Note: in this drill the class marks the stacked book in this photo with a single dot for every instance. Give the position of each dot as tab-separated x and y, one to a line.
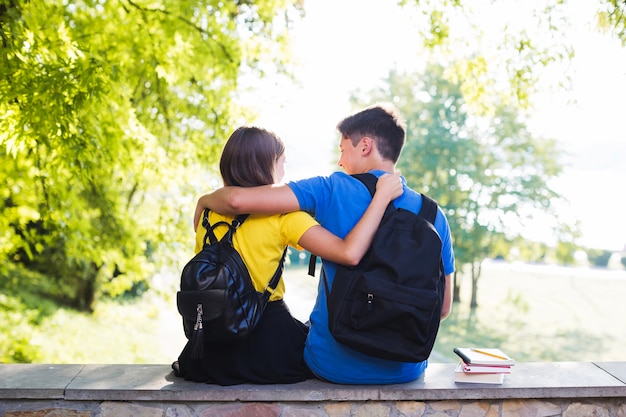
483	366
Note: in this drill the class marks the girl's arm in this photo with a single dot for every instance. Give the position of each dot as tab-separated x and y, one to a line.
264	199
350	250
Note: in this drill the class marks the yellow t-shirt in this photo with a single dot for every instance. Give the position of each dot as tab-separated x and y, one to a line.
261	240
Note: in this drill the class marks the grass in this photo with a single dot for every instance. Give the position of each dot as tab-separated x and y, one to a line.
143	331
534	313
541	313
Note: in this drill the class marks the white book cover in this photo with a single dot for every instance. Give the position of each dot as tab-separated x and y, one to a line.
486	369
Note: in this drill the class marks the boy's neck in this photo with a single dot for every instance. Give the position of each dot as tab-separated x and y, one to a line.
386	166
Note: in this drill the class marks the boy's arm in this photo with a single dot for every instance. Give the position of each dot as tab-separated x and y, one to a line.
265	199
447	298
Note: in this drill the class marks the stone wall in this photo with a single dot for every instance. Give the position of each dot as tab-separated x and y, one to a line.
486	408
468	408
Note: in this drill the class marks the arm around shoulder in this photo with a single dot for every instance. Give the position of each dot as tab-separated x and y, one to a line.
265	199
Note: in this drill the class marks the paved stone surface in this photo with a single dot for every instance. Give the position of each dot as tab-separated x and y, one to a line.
36	380
157	383
617	369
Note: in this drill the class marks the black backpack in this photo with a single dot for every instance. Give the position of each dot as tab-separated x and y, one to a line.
217	299
389	305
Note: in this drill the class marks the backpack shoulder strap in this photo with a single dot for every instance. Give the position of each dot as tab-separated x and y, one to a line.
369	180
429	209
429	206
237	221
273	283
312	264
232	227
210	238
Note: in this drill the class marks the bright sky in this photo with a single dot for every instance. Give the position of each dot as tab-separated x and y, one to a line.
343	45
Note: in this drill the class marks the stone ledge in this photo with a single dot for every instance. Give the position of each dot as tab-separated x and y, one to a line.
572	380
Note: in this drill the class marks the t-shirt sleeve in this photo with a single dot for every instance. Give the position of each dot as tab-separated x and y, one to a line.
447	251
294	225
312	192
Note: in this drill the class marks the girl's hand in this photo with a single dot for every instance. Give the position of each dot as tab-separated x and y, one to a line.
389	186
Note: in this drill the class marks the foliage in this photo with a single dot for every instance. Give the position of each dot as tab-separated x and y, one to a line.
35	329
506	59
499	60
612	18
599	257
490	175
533	252
16	325
21	311
110	110
565	253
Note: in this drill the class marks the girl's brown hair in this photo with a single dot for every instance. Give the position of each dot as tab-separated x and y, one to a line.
249	156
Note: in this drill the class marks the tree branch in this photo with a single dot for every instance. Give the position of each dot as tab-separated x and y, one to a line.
186	22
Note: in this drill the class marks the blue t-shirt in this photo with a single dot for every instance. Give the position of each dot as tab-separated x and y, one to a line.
338	202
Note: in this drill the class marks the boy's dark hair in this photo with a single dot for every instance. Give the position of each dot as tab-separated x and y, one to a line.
249	156
382	123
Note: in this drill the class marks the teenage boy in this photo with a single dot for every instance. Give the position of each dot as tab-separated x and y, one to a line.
371	141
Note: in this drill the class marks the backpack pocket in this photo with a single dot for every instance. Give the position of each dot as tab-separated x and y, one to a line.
388	320
393	308
212	301
213	304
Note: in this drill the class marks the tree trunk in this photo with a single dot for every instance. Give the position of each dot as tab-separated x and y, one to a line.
476	270
456	288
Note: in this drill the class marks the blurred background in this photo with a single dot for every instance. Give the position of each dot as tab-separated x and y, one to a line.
114	115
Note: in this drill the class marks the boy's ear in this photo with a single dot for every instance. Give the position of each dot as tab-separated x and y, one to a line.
366	146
